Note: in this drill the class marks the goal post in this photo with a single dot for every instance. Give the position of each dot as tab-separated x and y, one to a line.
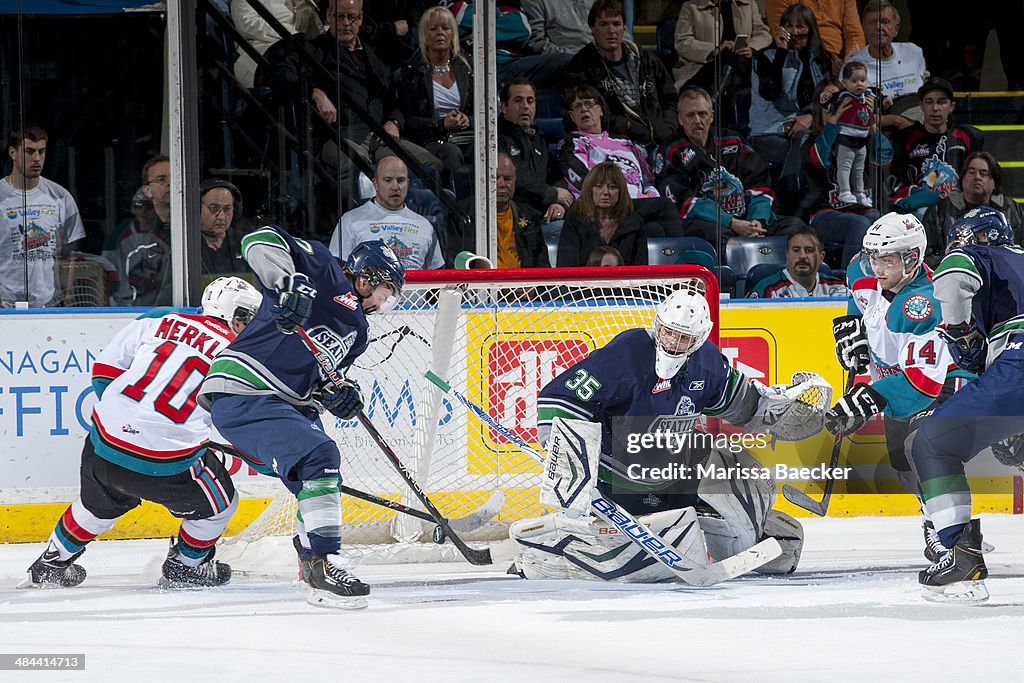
497	336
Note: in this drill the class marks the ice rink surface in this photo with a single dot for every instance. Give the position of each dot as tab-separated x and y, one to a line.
852	612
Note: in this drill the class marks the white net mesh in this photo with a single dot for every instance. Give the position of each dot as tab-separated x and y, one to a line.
496	342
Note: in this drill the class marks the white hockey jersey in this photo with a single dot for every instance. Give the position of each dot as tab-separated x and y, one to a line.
147	377
910	362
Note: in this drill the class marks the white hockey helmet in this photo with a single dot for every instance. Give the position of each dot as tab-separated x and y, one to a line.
684	312
895	233
227	298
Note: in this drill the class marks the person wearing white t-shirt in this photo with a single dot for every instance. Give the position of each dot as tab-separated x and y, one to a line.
386	217
903	69
39	225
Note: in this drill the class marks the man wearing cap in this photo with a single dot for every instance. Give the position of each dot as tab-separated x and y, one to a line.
929	156
220	204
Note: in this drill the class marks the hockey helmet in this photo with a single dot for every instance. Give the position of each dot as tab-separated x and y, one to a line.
227	298
980	225
375	261
684	313
895	233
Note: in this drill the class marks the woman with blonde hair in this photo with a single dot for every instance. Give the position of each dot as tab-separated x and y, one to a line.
603	216
435	91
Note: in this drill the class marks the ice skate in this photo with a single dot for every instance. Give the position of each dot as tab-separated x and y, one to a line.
959	574
49	571
332	585
933	548
176	574
305	559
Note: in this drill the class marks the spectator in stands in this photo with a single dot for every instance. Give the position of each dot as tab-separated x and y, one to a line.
703	33
782	86
140	250
603	216
837	21
520	240
639	92
364	79
220	205
386	217
720	185
435	91
557	25
390	26
800	278
929	156
897	70
512	53
588	145
156	184
841	224
980	185
536	172
39	225
605	256
296	16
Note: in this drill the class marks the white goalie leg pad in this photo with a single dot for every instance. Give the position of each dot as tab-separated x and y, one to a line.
557	546
790	534
742	503
570	469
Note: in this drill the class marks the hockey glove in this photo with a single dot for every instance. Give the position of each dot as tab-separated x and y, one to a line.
1010	451
850	413
851	343
294	303
966	344
345	401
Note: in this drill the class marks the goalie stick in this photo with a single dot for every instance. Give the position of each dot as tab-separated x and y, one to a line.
801	499
655	546
472	555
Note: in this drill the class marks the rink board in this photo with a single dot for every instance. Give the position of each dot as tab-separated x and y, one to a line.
46	399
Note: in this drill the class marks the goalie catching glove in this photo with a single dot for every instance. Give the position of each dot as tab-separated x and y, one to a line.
345	401
851	343
294	303
792	412
850	413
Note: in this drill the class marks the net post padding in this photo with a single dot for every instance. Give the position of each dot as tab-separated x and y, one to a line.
512	332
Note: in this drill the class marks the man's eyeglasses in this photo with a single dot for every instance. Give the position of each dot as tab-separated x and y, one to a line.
215	209
347	18
580	105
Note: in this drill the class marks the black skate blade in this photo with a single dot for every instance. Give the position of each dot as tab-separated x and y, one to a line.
322	598
962	592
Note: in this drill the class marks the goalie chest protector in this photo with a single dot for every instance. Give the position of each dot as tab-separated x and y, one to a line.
618	380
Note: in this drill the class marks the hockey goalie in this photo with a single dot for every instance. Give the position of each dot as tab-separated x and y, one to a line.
622	424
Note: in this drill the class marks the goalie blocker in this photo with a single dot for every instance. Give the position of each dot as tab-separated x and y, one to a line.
572	544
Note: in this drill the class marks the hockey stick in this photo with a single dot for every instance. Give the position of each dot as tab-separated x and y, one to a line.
472	555
462	525
655	546
801	499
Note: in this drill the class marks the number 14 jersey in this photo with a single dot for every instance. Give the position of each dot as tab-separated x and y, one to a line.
147	378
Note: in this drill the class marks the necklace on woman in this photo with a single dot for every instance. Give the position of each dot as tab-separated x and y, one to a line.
441	70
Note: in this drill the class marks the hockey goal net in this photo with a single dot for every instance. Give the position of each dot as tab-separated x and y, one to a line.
497	337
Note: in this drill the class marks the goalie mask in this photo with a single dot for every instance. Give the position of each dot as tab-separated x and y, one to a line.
230	299
893	250
682	323
981	225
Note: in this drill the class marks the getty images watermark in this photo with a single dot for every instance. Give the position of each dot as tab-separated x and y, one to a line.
676	444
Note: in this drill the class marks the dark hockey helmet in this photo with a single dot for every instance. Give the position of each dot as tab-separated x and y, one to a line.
980	225
375	261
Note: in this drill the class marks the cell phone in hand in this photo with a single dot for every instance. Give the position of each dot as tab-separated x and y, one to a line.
740	42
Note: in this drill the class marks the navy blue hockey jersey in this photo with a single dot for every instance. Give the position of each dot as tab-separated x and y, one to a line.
262	360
